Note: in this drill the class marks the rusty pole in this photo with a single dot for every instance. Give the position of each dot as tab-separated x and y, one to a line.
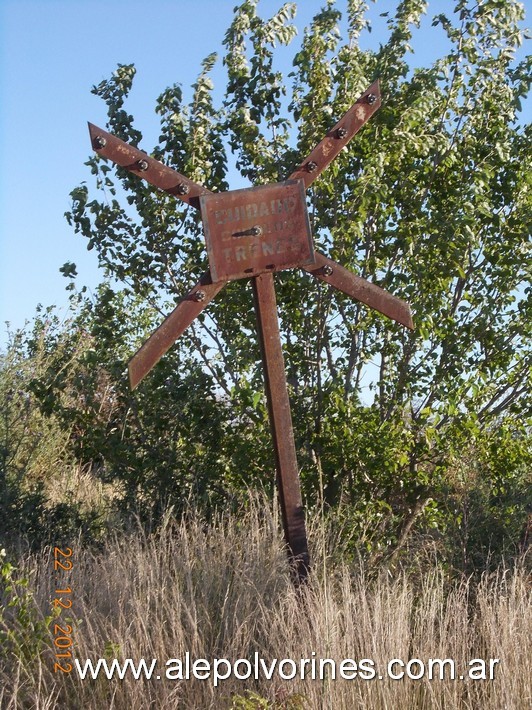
281	425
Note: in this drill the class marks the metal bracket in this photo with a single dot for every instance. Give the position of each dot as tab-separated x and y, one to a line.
339	136
162	339
151	170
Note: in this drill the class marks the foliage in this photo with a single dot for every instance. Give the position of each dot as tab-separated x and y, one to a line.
430	201
66	407
24	632
35	443
488	495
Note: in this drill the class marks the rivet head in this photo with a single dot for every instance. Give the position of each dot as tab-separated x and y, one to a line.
256	231
341	132
311	166
183	189
200	296
371	98
142	165
327	270
100	142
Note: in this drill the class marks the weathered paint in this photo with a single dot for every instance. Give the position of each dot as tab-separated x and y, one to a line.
339	135
256	230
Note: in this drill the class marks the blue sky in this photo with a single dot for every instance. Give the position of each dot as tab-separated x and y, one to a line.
51	53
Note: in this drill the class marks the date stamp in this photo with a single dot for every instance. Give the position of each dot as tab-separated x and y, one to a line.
63	565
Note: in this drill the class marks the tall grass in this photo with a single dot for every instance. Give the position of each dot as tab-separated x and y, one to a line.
223	590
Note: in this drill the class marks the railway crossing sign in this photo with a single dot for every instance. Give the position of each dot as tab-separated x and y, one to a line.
252	233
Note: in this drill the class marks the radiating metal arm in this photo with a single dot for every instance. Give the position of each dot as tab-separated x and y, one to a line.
374	296
162	339
339	136
141	164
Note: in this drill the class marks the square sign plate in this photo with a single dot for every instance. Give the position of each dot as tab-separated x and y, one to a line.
257	229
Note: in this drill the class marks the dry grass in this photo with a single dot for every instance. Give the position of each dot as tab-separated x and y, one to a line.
81	488
223	591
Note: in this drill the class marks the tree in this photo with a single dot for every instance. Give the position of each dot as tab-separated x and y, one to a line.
431	201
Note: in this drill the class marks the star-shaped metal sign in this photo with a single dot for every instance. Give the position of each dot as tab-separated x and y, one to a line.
252	233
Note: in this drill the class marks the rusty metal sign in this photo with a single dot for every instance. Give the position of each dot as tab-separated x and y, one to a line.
253	233
257	229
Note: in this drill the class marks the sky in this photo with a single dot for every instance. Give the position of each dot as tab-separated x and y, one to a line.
51	53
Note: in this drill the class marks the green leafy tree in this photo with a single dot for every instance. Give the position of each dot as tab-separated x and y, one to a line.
431	201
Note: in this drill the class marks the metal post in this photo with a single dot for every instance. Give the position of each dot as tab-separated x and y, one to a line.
281	424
